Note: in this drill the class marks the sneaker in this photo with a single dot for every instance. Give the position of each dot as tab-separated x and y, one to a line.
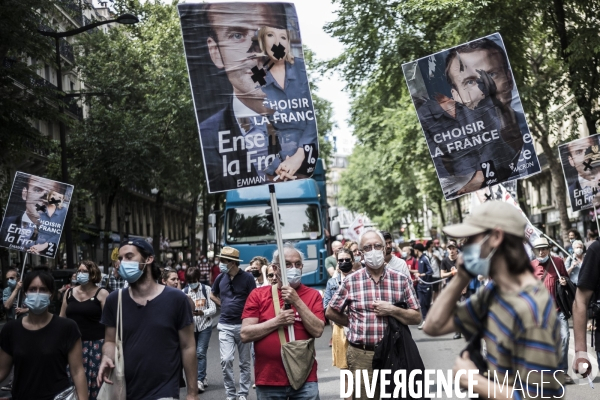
421	325
201	387
569	380
254	386
7	388
457	336
205	382
241	397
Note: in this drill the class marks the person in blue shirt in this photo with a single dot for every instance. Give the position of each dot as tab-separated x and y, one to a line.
287	93
425	276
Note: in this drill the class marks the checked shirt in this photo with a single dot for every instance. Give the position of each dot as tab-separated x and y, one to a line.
357	294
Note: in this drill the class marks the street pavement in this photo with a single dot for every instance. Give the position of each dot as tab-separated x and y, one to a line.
437	353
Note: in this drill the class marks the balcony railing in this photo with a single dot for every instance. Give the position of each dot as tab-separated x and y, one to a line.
73	9
66	50
74	109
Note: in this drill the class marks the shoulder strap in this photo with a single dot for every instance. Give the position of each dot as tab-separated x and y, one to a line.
69	293
98	291
277	306
204	290
186	289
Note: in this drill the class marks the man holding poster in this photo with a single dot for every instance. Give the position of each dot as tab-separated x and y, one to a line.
35	215
472	120
251	93
580	160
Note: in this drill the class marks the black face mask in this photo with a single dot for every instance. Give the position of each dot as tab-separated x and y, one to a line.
255	273
345	266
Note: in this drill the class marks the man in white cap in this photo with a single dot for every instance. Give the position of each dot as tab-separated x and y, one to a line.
230	291
545	266
514	313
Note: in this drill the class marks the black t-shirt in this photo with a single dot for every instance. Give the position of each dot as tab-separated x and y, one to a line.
589	275
447	265
40	358
233	294
151	341
87	315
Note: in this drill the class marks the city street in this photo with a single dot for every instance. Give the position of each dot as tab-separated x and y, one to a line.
437	353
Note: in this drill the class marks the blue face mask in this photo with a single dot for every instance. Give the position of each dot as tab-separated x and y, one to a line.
83	277
194	286
223	268
130	271
37	302
474	264
294	277
543	260
12	283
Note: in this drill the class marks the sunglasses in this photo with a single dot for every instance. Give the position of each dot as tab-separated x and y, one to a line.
231	287
343	260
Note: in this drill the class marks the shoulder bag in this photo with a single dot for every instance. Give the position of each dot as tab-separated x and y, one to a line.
298	356
116	391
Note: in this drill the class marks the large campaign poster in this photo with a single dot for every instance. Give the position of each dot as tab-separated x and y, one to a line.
251	94
35	215
580	161
470	111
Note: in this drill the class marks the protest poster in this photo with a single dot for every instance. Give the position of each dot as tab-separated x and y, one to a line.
471	114
35	215
251	95
580	161
507	193
355	229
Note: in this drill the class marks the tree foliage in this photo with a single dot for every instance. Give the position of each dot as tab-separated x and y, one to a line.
554	52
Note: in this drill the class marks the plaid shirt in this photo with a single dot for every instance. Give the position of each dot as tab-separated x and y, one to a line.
356	295
116	284
204	269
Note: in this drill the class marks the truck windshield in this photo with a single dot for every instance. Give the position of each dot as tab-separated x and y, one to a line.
255	224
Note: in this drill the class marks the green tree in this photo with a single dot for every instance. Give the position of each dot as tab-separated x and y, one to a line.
24	95
323	107
142	133
553	49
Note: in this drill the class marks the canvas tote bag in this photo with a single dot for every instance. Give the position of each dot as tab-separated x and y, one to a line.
116	391
298	356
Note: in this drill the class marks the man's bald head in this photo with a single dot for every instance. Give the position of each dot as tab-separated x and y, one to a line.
336	245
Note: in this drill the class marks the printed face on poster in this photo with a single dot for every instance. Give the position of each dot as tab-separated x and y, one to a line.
251	94
472	117
580	161
35	215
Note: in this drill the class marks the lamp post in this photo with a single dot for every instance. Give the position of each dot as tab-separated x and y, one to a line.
127	19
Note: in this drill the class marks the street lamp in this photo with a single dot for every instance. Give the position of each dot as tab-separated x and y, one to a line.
122	19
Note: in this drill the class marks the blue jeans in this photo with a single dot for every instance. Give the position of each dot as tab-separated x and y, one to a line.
202	339
564	341
229	340
424	295
308	391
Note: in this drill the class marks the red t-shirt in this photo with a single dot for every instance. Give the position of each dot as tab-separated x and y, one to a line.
181	275
268	367
215	270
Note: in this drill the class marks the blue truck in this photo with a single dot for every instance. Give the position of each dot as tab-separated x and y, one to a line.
305	217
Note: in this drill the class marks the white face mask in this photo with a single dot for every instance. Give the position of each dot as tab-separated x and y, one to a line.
578	252
374	258
294	277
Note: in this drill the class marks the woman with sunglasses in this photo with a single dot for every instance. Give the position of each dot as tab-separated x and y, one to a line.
41	345
272	276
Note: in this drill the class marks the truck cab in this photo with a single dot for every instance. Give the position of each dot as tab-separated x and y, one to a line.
248	226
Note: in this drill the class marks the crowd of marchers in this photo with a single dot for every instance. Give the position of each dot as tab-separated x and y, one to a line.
485	283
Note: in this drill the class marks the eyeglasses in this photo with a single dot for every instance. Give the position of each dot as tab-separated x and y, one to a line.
342	260
231	287
270	275
367	248
297	264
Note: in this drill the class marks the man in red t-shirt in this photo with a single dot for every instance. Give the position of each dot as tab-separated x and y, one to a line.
260	325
